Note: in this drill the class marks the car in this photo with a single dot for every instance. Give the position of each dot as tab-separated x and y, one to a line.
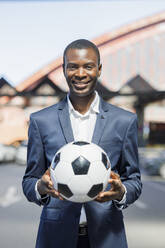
7	153
21	153
152	160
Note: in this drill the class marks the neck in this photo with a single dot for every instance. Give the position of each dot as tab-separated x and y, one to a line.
82	104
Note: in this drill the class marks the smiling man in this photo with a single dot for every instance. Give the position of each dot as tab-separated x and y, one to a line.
81	70
82	115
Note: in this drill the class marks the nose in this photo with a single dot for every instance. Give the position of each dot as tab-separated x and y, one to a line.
80	73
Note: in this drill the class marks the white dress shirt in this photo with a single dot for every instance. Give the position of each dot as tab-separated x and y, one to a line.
83	128
83	125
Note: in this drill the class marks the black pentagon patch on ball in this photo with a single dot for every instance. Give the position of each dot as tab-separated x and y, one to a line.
56	160
81	143
80	166
95	190
105	161
64	189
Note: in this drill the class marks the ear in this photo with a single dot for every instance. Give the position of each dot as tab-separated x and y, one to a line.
99	70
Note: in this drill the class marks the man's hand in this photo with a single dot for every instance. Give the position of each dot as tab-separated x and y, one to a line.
115	193
45	186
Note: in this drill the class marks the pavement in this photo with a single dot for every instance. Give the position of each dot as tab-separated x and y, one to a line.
19	219
145	219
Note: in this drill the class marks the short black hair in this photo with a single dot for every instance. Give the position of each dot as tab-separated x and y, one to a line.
81	44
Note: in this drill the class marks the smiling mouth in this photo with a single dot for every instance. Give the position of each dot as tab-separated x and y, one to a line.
80	83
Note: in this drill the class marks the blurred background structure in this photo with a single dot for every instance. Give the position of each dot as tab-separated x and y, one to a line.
133	77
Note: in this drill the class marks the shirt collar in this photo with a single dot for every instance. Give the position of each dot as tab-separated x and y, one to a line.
94	107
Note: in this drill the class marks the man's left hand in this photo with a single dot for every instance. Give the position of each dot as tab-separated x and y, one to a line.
115	193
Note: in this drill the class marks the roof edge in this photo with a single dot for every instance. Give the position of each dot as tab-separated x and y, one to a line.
99	41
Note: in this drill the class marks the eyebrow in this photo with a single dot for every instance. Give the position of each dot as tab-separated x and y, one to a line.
88	63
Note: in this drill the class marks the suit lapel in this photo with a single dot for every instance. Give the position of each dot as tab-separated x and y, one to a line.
100	122
66	124
65	121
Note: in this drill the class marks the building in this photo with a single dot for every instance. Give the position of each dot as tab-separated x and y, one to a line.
133	76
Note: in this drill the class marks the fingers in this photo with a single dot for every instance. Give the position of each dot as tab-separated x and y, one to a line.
114	175
50	184
55	193
45	186
47	172
114	182
52	191
106	196
47	179
115	192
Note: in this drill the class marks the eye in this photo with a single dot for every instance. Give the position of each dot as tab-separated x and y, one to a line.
89	66
71	66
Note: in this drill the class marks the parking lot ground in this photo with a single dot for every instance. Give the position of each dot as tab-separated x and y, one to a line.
144	220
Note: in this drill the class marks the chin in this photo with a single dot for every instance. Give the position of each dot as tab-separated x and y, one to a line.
83	94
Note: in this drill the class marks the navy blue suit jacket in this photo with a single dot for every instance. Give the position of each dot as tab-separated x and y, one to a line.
116	132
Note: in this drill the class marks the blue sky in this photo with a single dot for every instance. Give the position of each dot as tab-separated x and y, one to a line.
34	33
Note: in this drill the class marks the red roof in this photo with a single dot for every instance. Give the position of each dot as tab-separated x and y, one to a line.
136	48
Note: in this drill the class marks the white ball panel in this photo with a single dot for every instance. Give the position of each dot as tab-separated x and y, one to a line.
53	178
80	184
106	178
97	172
92	152
108	173
63	172
80	198
69	153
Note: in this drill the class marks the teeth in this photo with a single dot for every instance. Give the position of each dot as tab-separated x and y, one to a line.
80	82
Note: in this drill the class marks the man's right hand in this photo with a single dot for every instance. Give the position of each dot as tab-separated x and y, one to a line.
45	186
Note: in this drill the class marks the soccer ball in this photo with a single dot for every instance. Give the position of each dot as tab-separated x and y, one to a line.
80	171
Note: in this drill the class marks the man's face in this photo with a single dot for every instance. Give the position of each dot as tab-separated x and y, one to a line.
81	71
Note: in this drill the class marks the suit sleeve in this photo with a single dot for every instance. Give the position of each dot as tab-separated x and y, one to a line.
129	167
36	165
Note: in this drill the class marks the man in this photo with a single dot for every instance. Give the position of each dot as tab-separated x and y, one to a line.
83	115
